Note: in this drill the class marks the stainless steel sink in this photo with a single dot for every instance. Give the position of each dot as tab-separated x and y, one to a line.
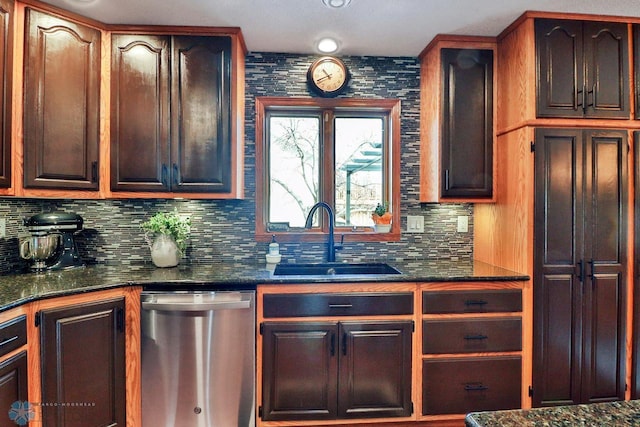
335	269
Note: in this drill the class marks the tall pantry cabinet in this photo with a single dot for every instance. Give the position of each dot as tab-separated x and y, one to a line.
562	212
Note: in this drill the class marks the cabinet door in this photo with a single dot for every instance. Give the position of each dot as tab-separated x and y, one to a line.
6	66
636	68
375	369
605	239
61	103
299	371
560	70
606	58
582	69
13	387
200	115
83	363
140	113
579	266
467	128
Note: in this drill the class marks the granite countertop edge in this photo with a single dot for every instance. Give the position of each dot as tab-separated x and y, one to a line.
20	288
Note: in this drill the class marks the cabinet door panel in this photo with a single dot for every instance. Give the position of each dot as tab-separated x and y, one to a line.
82	352
13	382
462	385
61	103
607	69
140	113
467	129
558	251
375	369
605	252
6	66
300	365
560	73
201	96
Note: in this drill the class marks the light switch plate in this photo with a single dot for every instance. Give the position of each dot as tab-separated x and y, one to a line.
463	224
415	224
3	228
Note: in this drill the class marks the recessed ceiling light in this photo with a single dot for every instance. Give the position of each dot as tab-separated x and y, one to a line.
327	45
336	4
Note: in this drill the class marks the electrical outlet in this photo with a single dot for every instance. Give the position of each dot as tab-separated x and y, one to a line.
3	228
463	224
415	224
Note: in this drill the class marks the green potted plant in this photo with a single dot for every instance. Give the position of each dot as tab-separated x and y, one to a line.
167	234
381	218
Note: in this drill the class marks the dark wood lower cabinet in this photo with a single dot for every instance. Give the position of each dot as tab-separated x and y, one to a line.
462	385
83	364
13	383
336	370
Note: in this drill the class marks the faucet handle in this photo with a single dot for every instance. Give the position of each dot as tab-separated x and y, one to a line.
339	246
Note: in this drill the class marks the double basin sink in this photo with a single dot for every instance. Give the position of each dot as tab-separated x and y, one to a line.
335	269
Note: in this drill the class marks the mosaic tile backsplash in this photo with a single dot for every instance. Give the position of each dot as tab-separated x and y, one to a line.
223	230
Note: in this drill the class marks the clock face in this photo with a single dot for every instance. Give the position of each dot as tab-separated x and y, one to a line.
328	76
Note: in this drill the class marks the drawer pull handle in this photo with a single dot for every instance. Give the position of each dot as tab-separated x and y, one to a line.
475	337
476	302
8	340
475	387
340	305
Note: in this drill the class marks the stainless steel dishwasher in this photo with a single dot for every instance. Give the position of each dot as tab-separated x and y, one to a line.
198	359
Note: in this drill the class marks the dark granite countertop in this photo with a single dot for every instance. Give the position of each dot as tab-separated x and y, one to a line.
17	289
611	414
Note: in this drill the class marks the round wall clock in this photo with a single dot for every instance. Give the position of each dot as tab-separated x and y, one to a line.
328	76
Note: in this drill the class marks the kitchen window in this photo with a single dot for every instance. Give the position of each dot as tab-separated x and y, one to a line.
341	151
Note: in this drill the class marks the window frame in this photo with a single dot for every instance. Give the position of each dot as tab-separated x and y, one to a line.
391	107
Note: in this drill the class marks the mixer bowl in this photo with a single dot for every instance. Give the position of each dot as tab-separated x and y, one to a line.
39	248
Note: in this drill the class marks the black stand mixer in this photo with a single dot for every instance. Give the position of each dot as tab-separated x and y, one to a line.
51	245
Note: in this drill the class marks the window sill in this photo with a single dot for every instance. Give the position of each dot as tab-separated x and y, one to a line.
320	236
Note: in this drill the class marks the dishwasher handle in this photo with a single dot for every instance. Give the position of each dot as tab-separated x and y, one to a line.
196	306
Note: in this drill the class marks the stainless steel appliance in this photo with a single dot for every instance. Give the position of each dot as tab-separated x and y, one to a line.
198	359
51	245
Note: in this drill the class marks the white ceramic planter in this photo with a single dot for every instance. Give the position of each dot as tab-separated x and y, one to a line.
164	251
382	228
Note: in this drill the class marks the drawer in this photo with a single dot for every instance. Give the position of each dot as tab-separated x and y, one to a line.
459	386
484	301
338	304
471	335
13	334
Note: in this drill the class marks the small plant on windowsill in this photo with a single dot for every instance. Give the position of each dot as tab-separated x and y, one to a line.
381	218
167	234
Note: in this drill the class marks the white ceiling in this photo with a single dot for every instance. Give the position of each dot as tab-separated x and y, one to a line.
365	27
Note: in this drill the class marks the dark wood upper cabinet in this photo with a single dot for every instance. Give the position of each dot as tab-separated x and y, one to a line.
82	350
171	113
140	77
200	117
457	113
6	67
61	103
636	67
582	69
467	123
580	266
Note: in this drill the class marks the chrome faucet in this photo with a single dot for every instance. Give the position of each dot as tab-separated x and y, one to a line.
331	246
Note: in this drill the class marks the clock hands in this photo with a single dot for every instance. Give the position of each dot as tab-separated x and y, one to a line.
327	76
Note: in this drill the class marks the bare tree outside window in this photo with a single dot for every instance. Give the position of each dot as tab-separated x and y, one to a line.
294	169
